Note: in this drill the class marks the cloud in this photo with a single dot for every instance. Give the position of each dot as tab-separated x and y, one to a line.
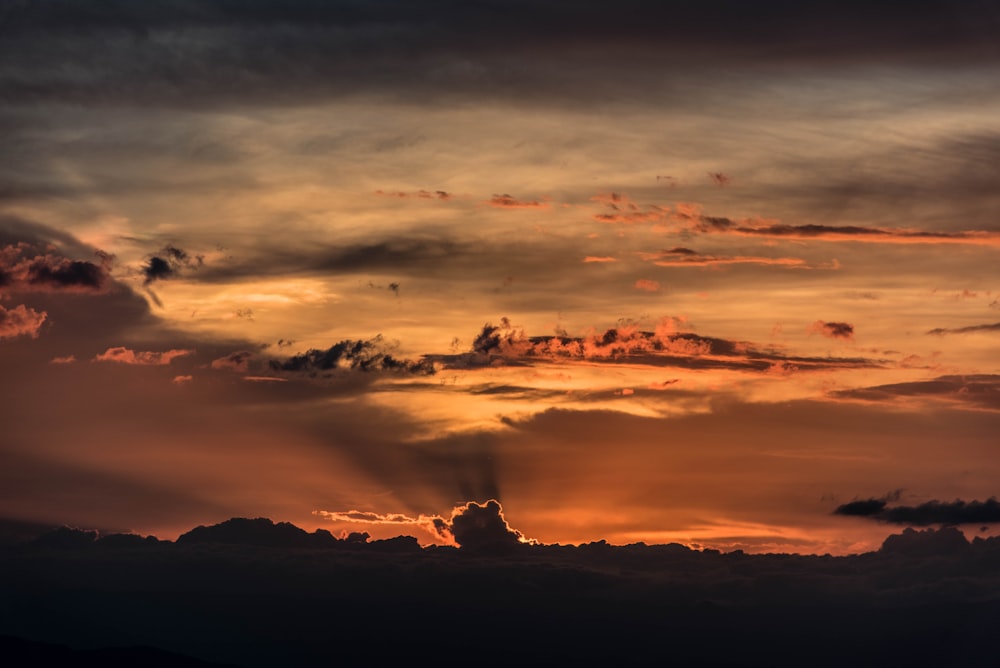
508	202
666	345
483	528
833	330
361	355
419	194
686	257
182	380
941	331
20	321
472	526
67	359
124	355
26	267
238	361
647	285
851	233
931	512
623	211
599	259
168	263
981	391
719	179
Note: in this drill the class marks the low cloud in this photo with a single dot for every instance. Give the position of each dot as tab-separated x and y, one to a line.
20	321
931	512
620	209
370	355
124	355
833	330
979	391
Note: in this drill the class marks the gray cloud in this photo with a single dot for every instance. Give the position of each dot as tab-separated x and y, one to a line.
931	512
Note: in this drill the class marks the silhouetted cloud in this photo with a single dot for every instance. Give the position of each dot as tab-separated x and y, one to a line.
483	528
362	355
931	512
26	267
20	321
941	331
168	263
125	355
833	330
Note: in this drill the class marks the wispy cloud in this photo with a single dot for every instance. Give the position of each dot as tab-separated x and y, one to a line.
124	355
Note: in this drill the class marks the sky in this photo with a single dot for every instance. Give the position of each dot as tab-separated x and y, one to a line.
723	275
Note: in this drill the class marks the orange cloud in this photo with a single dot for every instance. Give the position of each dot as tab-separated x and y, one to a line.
647	285
68	359
685	257
600	258
124	355
20	321
626	212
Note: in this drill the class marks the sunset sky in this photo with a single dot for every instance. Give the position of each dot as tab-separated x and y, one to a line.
681	272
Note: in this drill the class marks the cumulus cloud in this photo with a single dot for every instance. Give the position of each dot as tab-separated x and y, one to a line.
20	321
361	355
833	330
666	345
477	527
28	267
124	355
931	512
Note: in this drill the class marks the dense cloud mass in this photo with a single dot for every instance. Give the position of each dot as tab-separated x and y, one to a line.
26	267
930	512
368	355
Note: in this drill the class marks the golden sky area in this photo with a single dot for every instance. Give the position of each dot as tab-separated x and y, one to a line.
681	277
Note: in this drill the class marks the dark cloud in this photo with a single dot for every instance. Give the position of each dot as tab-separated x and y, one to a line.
29	267
940	331
931	512
362	355
974	390
144	52
482	528
833	330
168	263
